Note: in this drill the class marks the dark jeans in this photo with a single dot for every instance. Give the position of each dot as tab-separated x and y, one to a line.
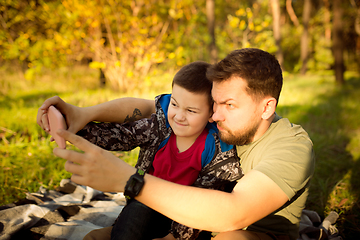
139	222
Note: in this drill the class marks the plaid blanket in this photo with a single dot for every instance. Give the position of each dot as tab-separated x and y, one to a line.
72	211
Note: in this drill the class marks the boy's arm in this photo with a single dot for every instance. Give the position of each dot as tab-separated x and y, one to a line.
120	137
145	132
118	110
122	110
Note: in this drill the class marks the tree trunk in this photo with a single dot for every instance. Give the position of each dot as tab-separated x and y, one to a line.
210	14
102	78
327	20
275	6
304	45
338	42
291	13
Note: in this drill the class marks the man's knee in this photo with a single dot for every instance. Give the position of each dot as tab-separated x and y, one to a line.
99	234
242	235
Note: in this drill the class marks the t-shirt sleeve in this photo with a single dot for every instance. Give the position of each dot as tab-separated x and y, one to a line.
289	163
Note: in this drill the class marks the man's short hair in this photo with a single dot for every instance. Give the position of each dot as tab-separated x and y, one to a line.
258	68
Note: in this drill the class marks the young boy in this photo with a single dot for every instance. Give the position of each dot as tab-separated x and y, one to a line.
177	144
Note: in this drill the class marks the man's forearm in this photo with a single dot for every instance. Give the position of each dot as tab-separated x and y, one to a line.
194	207
122	110
214	210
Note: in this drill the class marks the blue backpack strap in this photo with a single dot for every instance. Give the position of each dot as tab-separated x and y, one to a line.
209	151
164	101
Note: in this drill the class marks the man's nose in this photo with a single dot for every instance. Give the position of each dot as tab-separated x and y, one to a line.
217	115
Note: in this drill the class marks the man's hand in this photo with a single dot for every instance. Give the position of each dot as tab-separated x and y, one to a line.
94	167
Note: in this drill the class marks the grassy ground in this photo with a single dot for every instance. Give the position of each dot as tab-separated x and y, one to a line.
26	159
329	113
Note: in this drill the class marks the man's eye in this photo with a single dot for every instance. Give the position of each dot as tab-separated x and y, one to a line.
230	106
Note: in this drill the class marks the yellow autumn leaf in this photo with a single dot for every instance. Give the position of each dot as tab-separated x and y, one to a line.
129	74
94	24
172	55
240	12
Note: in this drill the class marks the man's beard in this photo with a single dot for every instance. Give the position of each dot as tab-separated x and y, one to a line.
240	137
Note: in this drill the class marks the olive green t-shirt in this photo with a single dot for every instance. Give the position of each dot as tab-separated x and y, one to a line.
285	154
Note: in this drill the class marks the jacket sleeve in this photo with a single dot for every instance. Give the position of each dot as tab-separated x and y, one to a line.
119	137
146	133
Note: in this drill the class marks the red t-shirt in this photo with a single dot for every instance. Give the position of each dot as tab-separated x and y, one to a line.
182	168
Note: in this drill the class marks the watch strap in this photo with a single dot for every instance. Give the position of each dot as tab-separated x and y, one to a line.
134	184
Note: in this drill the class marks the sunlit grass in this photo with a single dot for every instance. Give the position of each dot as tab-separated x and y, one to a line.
328	112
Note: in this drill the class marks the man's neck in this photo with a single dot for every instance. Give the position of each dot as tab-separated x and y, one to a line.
263	127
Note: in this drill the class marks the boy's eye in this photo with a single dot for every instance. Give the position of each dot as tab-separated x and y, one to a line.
230	105
173	104
192	111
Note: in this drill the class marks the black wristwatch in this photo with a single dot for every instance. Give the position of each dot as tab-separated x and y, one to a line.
134	184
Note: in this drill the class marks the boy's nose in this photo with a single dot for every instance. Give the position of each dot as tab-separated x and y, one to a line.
179	116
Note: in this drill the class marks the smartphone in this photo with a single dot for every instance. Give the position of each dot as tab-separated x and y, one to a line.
56	121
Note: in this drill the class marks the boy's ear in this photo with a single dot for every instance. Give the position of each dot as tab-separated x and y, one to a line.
269	108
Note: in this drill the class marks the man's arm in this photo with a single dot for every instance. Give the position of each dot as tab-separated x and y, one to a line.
254	197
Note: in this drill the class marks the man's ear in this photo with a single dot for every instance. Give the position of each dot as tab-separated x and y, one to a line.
269	108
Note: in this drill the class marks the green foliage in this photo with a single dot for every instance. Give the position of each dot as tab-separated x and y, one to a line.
33	33
129	39
248	26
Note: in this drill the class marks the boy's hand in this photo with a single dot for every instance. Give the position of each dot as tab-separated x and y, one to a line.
75	117
94	167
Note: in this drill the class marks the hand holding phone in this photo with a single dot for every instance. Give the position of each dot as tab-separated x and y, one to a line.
56	121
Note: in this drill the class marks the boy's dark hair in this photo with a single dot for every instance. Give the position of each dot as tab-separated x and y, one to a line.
192	77
258	68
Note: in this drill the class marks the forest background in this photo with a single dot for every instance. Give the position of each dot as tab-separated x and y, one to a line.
89	52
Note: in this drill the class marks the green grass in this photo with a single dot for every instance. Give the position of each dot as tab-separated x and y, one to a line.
329	113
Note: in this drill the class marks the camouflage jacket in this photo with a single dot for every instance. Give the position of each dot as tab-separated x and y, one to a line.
150	134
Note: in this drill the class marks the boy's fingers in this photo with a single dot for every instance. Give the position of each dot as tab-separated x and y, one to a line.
56	101
45	122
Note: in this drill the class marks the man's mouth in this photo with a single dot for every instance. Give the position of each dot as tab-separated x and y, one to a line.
219	127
